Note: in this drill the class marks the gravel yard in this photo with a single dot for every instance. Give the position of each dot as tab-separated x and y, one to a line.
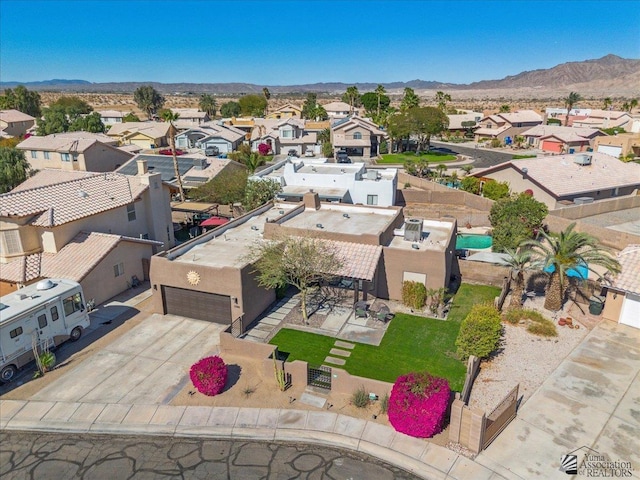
524	358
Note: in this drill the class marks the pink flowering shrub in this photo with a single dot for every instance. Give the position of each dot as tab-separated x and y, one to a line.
264	149
209	375
418	404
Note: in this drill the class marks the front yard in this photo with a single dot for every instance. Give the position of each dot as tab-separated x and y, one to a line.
432	157
411	343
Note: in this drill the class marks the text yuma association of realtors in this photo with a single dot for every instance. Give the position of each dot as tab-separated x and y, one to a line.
599	466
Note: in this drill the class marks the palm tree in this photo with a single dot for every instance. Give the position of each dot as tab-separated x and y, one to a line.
352	95
633	104
606	103
208	104
466	169
568	250
267	96
379	92
169	116
252	161
569	102
519	261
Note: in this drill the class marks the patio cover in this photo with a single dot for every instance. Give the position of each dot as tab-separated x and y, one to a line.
214	222
358	261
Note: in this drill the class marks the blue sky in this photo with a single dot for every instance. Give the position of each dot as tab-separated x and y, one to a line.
292	42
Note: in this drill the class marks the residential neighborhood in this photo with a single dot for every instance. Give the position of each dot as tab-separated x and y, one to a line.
321	275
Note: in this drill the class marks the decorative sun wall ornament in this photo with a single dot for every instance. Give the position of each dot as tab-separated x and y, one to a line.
193	277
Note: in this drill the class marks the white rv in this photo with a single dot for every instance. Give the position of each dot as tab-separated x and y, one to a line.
49	312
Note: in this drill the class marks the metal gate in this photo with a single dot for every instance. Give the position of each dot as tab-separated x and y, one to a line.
500	417
319	376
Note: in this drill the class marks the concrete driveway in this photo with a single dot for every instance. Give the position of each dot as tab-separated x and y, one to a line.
147	365
591	401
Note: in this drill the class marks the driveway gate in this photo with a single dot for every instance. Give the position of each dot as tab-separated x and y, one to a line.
319	376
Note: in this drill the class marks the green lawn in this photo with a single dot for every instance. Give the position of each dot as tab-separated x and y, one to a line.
398	158
411	343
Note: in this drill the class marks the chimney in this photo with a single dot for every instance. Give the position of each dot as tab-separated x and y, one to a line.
311	200
142	167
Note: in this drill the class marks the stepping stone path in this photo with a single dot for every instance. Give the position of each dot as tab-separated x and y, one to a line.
340	352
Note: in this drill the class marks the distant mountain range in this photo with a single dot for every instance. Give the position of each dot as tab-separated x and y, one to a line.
609	76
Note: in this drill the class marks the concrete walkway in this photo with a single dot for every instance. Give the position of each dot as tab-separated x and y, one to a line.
265	327
420	457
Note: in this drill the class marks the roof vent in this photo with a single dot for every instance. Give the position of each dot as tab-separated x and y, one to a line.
372	175
346	215
582	160
82	194
415	246
525	170
281	212
45	284
319	225
254	227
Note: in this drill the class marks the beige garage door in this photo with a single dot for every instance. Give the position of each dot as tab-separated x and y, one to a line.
194	304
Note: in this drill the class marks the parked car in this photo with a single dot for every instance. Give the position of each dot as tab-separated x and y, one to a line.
342	157
212	151
292	152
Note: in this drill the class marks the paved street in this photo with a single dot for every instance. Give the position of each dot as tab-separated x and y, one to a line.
483	157
44	456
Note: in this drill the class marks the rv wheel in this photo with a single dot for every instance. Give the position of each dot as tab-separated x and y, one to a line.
76	333
7	373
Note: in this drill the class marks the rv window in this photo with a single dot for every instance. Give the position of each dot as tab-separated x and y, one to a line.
72	304
42	320
15	332
54	314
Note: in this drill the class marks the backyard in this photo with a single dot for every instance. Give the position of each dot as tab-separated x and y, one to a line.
432	157
411	343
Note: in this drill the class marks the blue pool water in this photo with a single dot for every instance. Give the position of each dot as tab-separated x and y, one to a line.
474	242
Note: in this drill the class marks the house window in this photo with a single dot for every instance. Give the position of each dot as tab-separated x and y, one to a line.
357	136
287	133
54	313
15	332
118	269
72	304
42	321
65	157
131	212
144	236
46	155
10	242
372	199
34	154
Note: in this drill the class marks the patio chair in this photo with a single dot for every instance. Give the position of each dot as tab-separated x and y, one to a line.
361	313
382	316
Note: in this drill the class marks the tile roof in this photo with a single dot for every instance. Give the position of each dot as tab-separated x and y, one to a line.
561	176
13	115
74	261
59	203
65	142
358	260
51	176
338	107
543	130
151	129
112	114
629	278
521	116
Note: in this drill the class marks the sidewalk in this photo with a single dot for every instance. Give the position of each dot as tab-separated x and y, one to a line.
424	459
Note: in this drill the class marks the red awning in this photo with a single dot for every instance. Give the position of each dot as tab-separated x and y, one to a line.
214	222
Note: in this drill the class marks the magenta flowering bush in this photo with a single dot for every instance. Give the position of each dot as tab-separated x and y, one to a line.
264	149
418	404
209	375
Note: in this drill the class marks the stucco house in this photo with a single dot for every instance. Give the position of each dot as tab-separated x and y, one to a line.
596	118
192	115
560	139
98	229
288	110
92	152
111	117
358	136
622	144
503	125
225	138
146	135
333	182
340	109
622	302
456	121
284	135
14	123
567	179
211	277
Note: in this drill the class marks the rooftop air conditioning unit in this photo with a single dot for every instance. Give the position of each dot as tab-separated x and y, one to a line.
199	163
372	174
582	200
413	230
582	159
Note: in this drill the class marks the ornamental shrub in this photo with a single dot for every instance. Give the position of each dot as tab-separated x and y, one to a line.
209	375
414	294
479	332
264	149
418	404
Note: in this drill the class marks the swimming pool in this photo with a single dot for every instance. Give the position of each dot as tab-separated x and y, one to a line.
475	242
